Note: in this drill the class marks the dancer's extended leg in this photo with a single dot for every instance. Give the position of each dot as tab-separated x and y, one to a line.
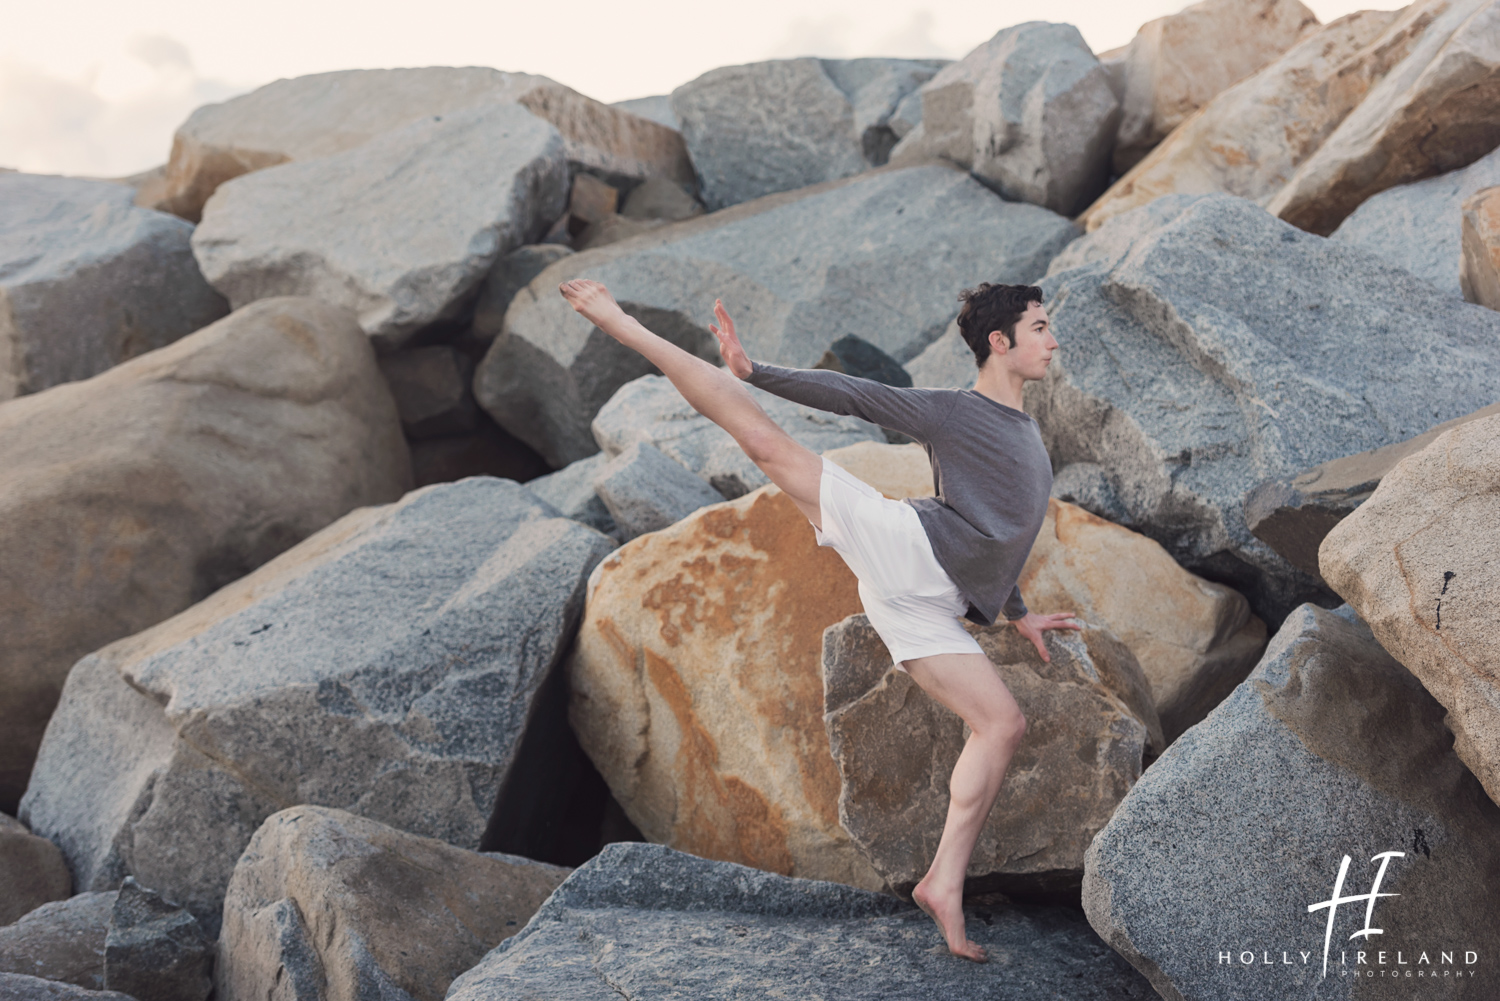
713	392
969	685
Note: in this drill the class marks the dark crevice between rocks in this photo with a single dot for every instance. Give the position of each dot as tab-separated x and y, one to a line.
554	805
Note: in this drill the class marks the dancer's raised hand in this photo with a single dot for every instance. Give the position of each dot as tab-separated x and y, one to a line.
593	300
734	355
1033	625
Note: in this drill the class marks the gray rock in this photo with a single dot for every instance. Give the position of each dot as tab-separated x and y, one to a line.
650	410
645	490
508	275
571	490
19	987
400	229
1087	485
155	950
853	355
88	280
1416	226
387	666
328	906
431	388
896	747
1207	346
759	128
1330	752
907	116
657	108
63	941
32	871
1031	112
129	496
644	921
660	198
946	363
884	253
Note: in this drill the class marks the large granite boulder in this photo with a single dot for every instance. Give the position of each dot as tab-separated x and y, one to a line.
1420	561
1251	138
1178	63
1194	639
20	987
696	687
155	950
1214	875
1294	516
643	921
1435	111
62	941
32	871
756	129
896	747
131	495
88	280
884	253
324	113
1030	112
1480	277
1207	346
400	229
388	666
327	905
1418	226
650	411
645	490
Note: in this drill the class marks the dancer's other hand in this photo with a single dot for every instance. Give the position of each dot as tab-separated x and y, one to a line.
733	353
1033	625
593	300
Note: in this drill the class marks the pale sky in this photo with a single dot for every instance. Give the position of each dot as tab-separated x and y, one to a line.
96	87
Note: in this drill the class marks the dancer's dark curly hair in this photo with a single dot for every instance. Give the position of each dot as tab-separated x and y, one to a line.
988	307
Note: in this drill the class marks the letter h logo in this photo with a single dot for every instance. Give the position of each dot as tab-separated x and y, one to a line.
1384	858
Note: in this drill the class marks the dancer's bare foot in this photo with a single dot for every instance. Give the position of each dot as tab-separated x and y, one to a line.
948	912
593	300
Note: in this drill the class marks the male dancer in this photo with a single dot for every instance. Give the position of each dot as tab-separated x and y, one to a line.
923	562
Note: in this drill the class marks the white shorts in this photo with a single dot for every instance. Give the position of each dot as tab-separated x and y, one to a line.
909	599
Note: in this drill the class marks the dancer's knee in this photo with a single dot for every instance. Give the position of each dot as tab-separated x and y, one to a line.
1005	728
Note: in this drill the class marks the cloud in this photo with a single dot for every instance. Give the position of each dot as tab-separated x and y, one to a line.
115	120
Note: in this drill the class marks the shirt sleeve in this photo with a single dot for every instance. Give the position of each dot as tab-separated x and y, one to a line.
916	412
1014	608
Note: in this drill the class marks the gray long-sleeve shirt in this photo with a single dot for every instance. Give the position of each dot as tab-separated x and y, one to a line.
990	472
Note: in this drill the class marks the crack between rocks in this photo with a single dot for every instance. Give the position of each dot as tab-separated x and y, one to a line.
594	956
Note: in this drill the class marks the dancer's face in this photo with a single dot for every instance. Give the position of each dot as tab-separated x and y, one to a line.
1034	344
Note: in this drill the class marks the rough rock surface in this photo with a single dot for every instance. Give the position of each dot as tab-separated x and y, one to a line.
895	748
401	229
328	905
1194	639
884	253
63	940
771	126
946	363
696	688
1420	562
1030	112
646	490
1480	277
1178	63
32	871
325	113
19	987
1330	751
388	665
510	273
431	389
1418	226
1177	379
120	507
1294	516
571	490
643	921
88	280
651	411
1432	113
1249	140
1087	485
155	950
656	108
